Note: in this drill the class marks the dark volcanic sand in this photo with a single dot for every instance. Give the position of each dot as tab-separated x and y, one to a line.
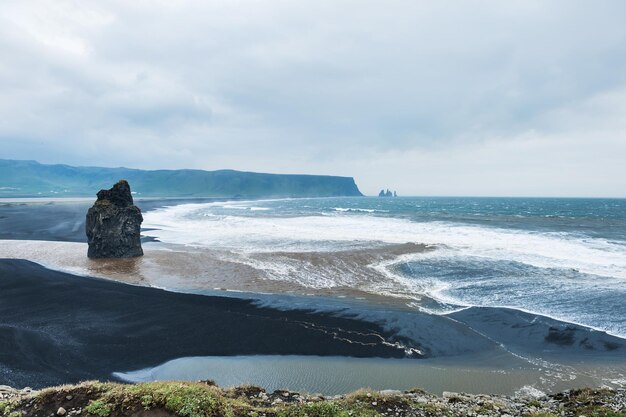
59	328
62	221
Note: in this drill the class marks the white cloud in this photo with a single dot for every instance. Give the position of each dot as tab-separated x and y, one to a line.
427	97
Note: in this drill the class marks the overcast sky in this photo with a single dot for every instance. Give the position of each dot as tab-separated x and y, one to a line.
426	97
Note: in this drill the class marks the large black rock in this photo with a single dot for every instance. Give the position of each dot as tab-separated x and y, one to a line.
113	224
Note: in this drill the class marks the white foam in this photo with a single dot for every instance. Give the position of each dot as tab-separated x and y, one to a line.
528	391
257	240
189	225
244	207
358	210
619	382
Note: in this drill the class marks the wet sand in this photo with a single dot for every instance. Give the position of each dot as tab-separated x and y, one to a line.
51	232
58	328
63	328
201	270
340	375
60	219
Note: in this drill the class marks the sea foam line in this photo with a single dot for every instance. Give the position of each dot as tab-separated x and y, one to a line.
246	236
188	225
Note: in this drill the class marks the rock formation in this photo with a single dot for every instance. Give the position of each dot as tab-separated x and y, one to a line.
113	224
387	193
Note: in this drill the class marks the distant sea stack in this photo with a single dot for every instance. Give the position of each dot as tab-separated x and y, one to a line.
387	193
113	224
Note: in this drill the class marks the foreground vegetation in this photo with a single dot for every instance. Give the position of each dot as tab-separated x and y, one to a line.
204	399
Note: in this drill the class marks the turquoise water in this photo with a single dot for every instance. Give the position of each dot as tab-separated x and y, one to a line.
563	258
604	218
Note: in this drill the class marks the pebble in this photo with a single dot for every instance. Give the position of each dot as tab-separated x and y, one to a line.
61	411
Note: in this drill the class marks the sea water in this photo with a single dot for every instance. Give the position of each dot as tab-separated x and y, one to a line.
340	375
563	258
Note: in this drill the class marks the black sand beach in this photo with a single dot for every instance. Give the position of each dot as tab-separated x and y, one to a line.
43	221
59	328
47	219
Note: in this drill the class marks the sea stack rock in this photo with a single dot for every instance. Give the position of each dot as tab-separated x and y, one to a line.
113	224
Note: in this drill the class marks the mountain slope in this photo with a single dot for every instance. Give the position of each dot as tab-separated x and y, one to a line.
32	179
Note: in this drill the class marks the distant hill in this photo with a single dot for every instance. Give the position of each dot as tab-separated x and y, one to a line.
32	179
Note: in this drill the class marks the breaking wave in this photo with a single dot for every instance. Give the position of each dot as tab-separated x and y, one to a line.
563	274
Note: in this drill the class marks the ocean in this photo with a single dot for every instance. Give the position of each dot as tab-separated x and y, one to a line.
561	258
477	294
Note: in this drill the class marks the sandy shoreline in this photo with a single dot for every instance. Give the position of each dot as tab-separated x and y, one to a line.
202	270
340	375
60	328
97	327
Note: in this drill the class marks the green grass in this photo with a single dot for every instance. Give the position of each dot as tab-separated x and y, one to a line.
189	399
6	407
598	411
321	409
147	401
329	409
184	399
98	408
583	402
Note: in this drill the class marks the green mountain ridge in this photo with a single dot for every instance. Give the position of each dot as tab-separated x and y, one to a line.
22	178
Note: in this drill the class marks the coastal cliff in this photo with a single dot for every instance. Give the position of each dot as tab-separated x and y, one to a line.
32	179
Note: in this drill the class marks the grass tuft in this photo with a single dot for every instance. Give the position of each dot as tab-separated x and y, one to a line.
98	408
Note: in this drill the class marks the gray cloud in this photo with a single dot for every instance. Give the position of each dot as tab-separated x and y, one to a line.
515	98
